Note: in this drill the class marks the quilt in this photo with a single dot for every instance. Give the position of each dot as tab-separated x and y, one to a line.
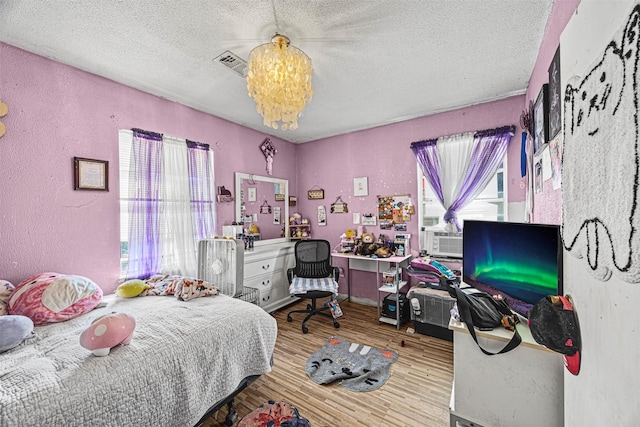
184	357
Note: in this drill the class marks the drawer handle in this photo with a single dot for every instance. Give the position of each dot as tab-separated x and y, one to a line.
266	282
264	267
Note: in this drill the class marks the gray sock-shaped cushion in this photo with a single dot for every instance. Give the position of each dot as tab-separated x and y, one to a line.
14	329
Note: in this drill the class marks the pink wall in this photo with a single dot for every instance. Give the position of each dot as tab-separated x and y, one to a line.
547	206
57	112
383	155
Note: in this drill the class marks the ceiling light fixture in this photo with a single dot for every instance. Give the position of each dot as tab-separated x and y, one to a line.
279	81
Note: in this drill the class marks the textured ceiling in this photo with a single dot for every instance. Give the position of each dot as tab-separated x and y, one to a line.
375	61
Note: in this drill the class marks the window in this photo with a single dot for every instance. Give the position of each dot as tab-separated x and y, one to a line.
181	211
490	205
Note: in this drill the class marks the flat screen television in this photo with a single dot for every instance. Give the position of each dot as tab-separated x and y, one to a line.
520	261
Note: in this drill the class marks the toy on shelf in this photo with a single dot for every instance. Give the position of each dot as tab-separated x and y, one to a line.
299	228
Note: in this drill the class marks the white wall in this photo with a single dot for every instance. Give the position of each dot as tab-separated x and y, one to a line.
605	391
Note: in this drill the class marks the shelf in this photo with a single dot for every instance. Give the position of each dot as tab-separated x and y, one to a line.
299	225
393	289
388	320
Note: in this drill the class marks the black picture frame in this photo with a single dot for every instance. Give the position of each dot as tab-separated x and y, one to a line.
541	119
555	96
90	174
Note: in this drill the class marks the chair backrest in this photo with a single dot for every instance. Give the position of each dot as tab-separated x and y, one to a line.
313	258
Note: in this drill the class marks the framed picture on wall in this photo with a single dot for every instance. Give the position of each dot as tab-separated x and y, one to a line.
555	101
541	119
90	174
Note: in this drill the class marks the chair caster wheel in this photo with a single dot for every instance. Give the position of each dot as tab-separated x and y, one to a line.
289	319
336	325
304	329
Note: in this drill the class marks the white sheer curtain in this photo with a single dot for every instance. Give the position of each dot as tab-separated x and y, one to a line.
177	243
454	153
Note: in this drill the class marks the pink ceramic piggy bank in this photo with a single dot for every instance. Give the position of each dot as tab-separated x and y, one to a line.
107	332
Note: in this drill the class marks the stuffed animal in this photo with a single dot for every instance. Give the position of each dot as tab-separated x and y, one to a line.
15	329
6	288
368	238
131	288
107	332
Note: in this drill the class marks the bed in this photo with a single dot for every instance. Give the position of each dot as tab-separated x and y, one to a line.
186	359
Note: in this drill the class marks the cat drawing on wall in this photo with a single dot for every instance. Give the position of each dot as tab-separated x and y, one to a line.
600	160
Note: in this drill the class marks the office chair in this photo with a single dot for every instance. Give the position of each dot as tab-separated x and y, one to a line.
313	277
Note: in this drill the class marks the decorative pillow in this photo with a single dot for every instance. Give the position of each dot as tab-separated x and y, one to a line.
53	297
14	330
6	288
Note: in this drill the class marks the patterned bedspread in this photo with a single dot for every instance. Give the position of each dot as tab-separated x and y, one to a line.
184	357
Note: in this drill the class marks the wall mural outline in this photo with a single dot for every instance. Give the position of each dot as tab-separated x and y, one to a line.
600	160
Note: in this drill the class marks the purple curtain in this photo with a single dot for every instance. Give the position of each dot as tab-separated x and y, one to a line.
200	187
490	148
427	156
489	151
144	180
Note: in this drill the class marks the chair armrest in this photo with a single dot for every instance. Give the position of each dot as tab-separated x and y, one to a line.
290	274
336	273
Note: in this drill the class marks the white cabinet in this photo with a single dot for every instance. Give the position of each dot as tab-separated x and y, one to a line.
265	268
524	387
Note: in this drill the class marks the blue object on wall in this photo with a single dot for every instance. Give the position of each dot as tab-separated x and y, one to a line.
523	155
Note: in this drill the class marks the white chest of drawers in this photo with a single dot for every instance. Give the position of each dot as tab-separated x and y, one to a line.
265	269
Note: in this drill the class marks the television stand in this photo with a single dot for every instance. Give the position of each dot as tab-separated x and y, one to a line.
524	387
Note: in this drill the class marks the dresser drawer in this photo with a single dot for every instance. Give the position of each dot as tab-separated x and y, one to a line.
264	281
259	267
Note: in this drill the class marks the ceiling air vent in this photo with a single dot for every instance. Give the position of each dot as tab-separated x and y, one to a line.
233	62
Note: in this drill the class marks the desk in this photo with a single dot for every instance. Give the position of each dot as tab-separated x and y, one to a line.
358	262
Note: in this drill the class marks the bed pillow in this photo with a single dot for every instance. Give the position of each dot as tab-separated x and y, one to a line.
53	297
6	288
14	330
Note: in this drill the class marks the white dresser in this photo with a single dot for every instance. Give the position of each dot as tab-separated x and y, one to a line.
265	269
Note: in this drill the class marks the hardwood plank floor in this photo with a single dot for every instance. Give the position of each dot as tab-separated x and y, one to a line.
416	394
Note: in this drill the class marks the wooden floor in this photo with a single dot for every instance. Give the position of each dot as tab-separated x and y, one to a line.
416	394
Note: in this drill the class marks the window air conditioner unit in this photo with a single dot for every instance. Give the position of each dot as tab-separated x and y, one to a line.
444	244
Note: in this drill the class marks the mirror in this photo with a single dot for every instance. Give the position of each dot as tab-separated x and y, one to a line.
263	201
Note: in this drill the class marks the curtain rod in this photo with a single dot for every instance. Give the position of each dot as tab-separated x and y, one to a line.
486	132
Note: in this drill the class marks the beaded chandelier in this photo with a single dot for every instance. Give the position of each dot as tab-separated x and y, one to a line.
279	81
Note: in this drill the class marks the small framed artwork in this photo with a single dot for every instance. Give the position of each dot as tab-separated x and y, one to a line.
537	171
368	219
265	208
322	216
252	194
279	197
276	215
541	119
90	174
360	186
293	200
555	102
315	194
